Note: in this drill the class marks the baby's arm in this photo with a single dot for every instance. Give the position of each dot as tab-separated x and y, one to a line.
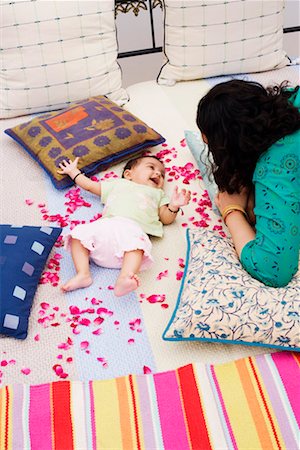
70	168
167	213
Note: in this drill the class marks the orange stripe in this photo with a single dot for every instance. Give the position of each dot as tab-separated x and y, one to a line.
127	438
254	406
1	412
297	358
265	403
61	413
136	423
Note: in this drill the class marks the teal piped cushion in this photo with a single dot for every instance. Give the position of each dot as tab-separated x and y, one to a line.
220	302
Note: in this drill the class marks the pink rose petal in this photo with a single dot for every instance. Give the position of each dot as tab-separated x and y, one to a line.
156	298
84	345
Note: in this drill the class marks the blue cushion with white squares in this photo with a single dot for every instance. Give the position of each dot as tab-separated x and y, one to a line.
23	254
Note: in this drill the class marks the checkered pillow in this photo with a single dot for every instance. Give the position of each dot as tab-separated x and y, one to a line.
211	38
54	53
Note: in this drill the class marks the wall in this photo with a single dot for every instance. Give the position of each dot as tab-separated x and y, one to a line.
146	67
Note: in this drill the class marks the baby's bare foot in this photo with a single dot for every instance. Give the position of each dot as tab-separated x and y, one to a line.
77	282
126	284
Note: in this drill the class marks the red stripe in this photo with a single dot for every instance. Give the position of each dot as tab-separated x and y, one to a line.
135	413
61	413
199	437
6	418
264	402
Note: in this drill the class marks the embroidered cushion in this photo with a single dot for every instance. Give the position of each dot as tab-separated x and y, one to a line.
97	130
23	255
54	53
211	38
220	302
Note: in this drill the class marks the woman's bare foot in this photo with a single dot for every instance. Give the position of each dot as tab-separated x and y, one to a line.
126	284
77	282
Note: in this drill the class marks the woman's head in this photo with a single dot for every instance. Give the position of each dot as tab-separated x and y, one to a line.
240	120
147	170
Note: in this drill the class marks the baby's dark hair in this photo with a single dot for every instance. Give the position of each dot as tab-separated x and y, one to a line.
241	120
134	161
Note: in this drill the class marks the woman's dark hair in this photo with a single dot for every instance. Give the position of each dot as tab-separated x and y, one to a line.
241	120
134	161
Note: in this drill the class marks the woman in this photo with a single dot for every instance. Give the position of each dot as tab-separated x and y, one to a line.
253	134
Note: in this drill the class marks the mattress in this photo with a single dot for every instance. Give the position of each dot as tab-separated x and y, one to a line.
170	111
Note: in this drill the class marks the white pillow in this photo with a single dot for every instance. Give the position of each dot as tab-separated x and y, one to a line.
210	38
57	52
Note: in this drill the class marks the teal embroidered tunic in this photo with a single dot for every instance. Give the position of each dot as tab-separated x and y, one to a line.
273	256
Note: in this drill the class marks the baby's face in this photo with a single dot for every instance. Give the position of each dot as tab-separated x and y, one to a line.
148	171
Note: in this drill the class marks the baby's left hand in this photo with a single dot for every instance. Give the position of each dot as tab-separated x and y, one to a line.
180	198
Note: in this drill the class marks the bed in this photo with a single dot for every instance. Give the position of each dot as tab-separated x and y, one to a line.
64	343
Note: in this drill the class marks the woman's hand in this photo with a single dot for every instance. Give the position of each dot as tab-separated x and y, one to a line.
179	198
69	167
223	199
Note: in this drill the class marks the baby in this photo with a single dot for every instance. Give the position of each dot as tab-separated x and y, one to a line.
135	207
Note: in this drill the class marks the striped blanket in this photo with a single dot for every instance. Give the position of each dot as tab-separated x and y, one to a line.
250	403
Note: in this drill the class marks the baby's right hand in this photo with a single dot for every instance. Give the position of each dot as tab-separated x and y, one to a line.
68	167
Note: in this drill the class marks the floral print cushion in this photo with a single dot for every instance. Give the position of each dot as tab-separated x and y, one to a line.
220	301
96	130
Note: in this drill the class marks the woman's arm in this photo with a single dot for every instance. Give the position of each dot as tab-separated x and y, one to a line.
70	168
240	229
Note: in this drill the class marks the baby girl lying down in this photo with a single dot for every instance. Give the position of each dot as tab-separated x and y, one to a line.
135	207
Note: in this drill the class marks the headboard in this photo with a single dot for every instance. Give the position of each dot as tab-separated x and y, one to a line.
137	7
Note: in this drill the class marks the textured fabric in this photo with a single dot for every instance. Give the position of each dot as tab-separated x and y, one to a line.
273	256
23	255
188	408
108	238
135	201
205	39
96	130
219	301
54	53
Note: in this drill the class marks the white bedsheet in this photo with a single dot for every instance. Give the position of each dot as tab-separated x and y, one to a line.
169	110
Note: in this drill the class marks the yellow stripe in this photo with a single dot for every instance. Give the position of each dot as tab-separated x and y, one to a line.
107	415
271	418
6	418
236	404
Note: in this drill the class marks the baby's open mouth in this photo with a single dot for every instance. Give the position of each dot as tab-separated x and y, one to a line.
154	180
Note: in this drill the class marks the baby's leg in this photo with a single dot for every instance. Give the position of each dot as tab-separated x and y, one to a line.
81	259
128	280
